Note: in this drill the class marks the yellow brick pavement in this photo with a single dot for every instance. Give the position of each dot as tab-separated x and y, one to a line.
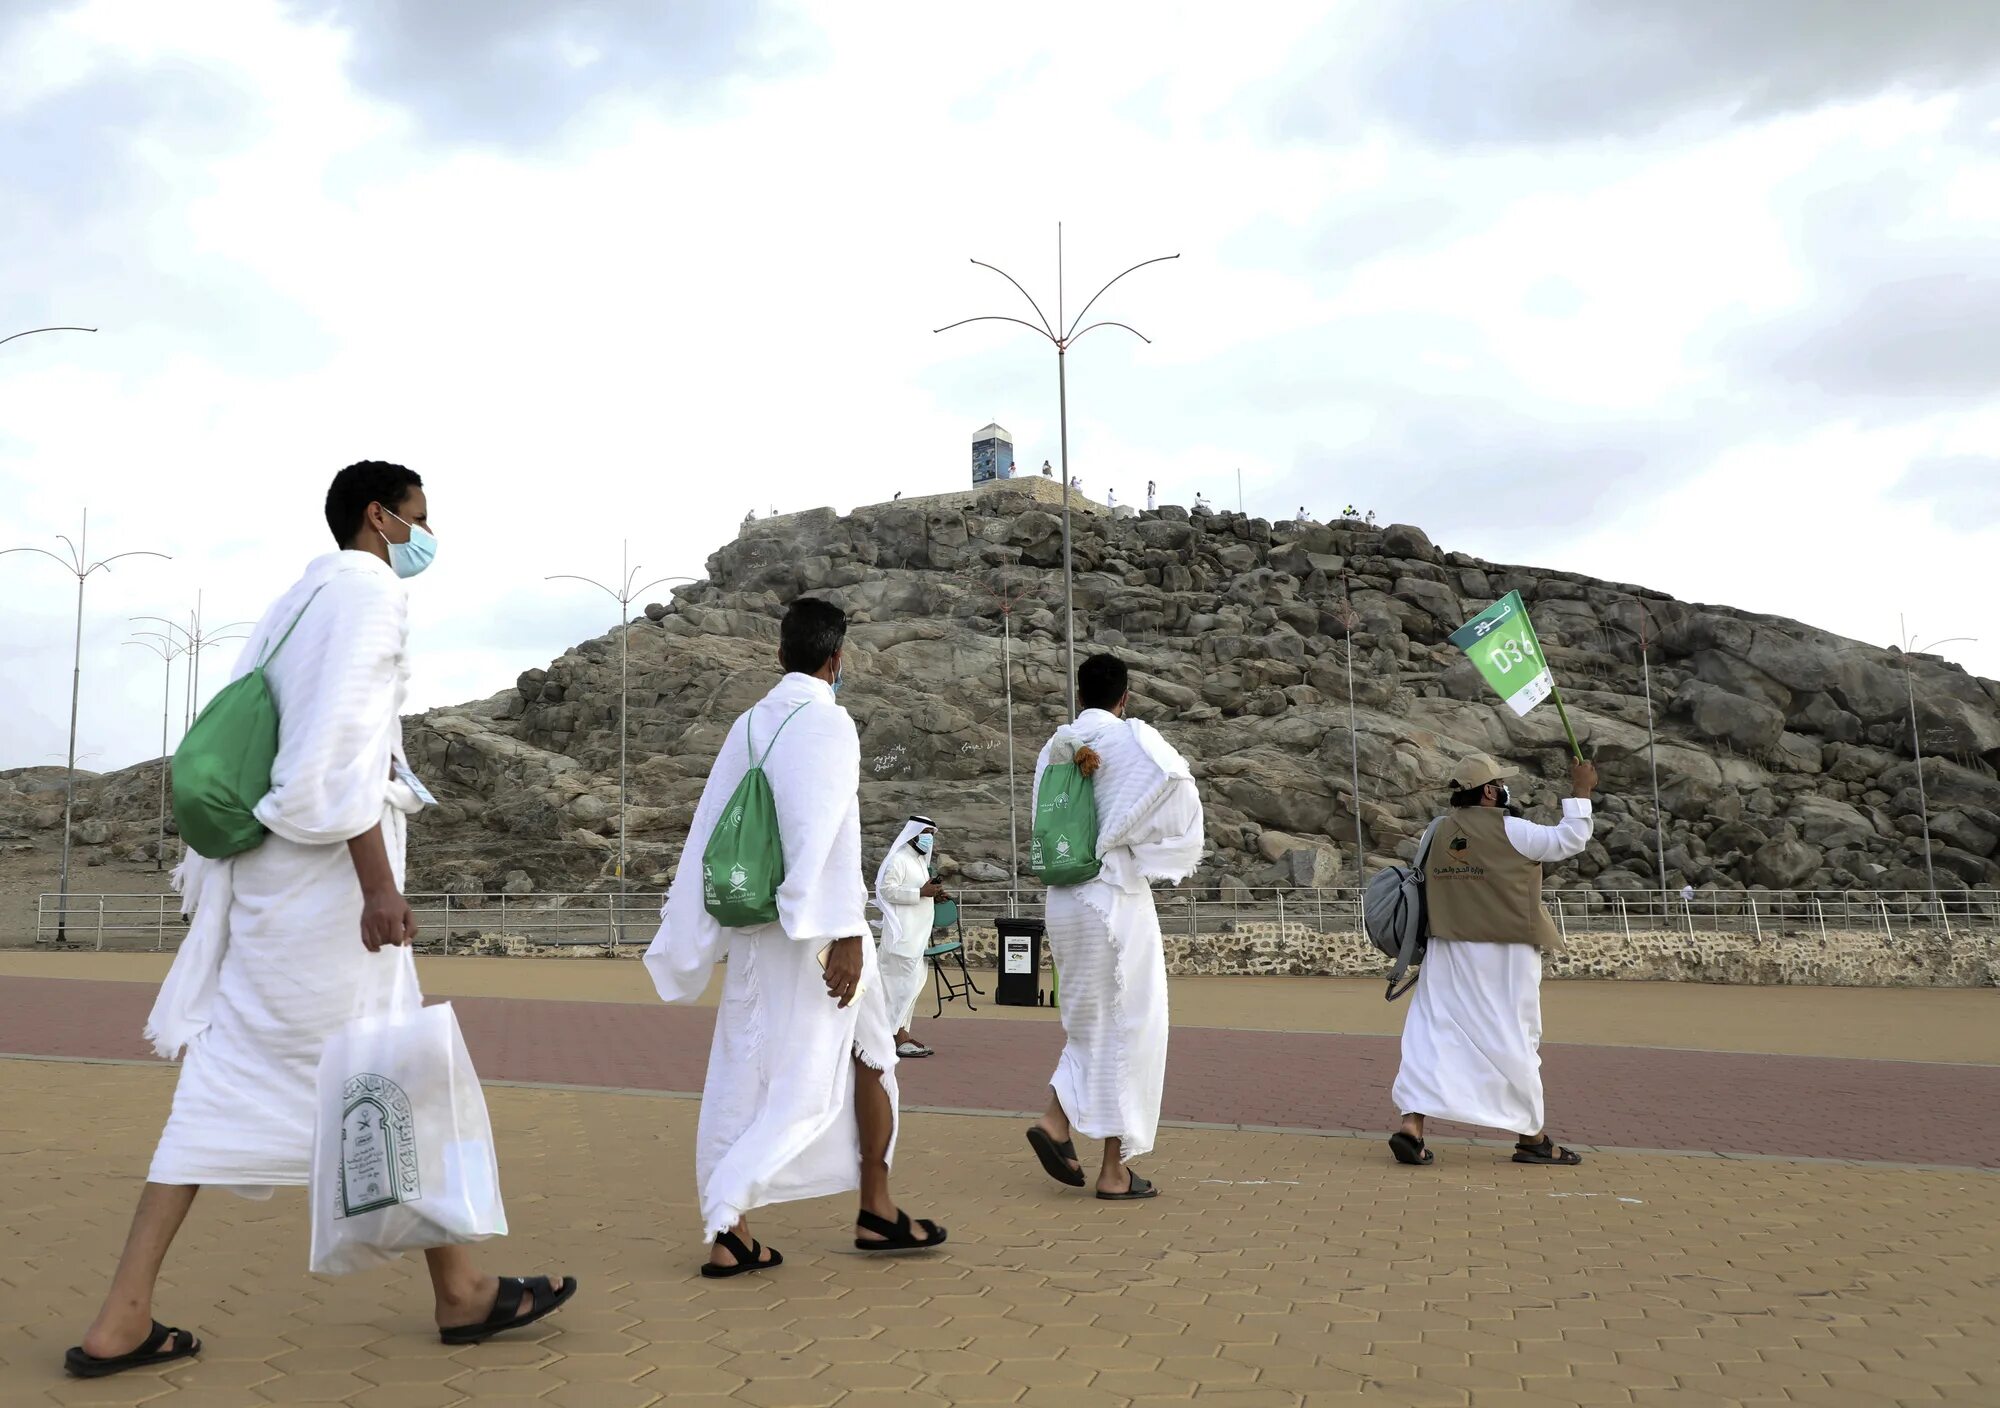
1290	1271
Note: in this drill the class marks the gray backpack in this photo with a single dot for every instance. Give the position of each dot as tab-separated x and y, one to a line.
1397	917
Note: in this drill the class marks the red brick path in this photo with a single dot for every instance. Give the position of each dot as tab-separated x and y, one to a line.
1726	1102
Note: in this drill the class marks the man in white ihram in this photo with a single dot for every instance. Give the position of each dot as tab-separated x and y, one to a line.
907	896
1472	1039
285	937
800	1100
1105	938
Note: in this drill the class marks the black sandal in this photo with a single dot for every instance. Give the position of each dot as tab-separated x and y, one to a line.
1545	1152
163	1346
1057	1158
1137	1189
1409	1149
898	1236
547	1298
748	1259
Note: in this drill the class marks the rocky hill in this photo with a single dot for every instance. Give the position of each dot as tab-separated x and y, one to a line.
1784	751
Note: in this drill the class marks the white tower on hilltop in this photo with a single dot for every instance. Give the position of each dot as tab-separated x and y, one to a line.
992	455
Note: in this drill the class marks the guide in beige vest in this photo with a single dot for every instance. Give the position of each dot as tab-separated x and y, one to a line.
1480	889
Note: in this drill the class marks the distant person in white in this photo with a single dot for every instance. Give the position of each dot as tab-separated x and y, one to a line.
1303	516
907	896
1201	503
1111	498
287	937
1105	938
800	1099
1472	1039
1152	496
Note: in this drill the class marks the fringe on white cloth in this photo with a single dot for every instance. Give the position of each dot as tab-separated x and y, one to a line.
1472	1038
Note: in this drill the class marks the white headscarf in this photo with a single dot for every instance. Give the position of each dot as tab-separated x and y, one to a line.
913	828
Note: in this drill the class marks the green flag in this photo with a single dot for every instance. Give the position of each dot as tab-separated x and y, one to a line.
1501	641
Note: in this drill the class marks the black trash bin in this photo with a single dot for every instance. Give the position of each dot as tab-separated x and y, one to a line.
1020	978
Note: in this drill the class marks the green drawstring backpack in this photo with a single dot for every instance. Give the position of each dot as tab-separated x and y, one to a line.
222	769
744	862
1062	849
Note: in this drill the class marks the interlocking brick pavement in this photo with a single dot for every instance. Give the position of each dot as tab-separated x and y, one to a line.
1729	1102
1287	1270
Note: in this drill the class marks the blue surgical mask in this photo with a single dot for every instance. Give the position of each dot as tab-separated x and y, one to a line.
924	843
408	559
836	679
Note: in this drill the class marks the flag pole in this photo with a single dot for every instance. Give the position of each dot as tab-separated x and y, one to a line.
1556	694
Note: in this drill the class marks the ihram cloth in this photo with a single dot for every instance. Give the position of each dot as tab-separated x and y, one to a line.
1472	1041
908	919
273	961
1105	935
777	1110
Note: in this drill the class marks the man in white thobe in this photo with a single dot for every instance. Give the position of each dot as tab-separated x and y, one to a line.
907	896
287	938
1152	496
800	1100
1472	1039
1104	936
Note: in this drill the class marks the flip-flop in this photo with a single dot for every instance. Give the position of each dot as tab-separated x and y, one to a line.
912	1051
163	1346
1546	1152
1139	1188
547	1298
899	1236
1056	1158
748	1259
1409	1149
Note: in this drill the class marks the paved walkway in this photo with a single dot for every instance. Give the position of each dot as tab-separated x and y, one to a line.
1722	1102
1277	1272
1279	1268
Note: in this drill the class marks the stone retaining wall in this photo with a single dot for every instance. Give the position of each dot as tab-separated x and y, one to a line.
1837	958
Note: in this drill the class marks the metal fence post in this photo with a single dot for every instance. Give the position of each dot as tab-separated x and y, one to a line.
1754	924
1281	916
1624	919
447	922
1821	909
1562	927
160	926
100	923
1884	906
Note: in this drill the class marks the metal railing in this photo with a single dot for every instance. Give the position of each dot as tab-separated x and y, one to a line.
455	922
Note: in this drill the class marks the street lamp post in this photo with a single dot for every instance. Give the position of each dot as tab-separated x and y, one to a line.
191	640
1349	618
624	594
32	331
78	565
1652	758
1006	600
1910	646
168	651
1062	342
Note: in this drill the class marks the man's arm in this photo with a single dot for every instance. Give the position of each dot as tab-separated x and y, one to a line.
1548	844
386	918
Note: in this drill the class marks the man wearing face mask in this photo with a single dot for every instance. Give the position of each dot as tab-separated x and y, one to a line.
907	896
288	937
1472	1039
800	1098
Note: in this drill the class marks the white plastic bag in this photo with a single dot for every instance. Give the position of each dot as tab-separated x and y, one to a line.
402	1147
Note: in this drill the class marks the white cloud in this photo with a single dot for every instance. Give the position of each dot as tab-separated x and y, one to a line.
684	309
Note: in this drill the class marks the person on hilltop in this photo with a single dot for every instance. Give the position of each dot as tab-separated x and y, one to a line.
1472	1038
289	936
1104	934
800	1099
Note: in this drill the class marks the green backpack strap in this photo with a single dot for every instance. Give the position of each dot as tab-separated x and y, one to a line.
755	761
270	654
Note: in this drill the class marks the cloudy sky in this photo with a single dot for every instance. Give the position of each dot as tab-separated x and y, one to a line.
1702	295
